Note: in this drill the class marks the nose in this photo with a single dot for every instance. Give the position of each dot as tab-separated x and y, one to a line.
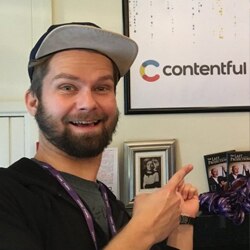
86	100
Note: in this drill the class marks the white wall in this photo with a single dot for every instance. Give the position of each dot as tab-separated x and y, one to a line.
21	23
196	134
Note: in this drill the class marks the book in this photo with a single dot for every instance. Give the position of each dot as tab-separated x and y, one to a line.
216	170
238	165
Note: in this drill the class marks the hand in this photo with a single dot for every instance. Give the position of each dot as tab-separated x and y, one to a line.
182	236
158	213
190	200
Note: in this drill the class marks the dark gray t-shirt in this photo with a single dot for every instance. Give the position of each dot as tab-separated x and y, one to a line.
89	192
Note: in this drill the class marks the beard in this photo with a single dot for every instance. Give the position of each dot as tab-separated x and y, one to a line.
79	146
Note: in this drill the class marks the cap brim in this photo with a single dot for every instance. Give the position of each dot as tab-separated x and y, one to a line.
120	49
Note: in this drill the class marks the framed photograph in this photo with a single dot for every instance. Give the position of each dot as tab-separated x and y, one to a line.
189	57
147	165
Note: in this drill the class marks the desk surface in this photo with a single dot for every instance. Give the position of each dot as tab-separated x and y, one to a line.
213	232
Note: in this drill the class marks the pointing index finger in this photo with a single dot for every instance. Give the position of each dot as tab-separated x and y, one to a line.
178	177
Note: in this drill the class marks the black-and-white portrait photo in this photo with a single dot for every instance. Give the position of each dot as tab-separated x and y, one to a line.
150	172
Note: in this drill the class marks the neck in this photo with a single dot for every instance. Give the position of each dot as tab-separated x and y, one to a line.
86	168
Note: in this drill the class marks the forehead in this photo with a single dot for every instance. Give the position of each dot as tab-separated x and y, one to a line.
80	60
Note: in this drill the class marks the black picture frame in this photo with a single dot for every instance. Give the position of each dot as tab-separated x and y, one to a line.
131	109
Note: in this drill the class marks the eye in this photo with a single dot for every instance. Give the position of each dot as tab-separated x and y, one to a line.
103	88
68	87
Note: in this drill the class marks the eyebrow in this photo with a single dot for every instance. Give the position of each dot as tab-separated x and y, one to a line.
67	76
74	78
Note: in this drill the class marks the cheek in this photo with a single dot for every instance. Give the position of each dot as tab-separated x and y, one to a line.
54	109
111	108
107	104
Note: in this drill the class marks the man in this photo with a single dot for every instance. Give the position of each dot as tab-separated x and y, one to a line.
216	182
234	173
53	201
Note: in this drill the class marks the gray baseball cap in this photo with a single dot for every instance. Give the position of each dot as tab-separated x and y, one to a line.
84	35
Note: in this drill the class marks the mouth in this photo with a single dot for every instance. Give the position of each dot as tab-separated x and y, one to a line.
85	123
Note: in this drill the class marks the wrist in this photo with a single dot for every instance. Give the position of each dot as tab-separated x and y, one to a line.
182	237
187	220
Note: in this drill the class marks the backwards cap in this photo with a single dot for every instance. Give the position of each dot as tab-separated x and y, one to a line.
120	49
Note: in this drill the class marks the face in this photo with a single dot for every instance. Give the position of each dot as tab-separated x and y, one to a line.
235	169
150	165
214	172
77	112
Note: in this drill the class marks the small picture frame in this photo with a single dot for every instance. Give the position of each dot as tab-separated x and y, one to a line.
148	165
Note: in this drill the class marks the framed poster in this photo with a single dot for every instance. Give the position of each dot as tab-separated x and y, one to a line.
148	165
193	56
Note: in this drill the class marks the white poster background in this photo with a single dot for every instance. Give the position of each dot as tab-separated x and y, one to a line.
184	32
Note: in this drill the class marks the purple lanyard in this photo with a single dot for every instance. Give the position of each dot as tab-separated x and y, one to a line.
79	202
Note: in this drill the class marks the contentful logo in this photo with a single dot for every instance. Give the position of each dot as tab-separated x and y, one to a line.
228	68
143	74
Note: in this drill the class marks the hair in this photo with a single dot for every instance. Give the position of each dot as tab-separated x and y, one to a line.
212	169
41	68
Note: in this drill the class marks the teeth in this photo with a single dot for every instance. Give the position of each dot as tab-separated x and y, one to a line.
84	122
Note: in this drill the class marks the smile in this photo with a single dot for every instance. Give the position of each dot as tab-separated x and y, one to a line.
85	123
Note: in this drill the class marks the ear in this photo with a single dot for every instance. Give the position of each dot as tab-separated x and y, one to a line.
31	102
